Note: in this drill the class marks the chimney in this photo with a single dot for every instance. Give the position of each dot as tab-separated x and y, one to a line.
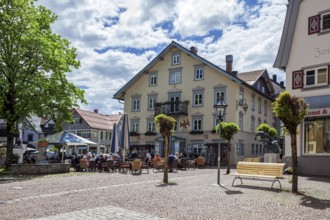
229	63
234	73
194	50
96	111
282	84
274	78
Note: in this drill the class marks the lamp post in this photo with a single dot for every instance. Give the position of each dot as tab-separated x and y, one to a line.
220	110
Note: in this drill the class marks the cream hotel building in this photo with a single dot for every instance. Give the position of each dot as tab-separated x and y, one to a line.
180	83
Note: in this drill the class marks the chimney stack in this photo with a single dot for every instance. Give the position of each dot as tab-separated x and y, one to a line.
282	84
194	50
96	111
229	63
274	78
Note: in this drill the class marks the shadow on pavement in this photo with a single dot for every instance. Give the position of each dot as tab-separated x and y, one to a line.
315	203
318	179
276	190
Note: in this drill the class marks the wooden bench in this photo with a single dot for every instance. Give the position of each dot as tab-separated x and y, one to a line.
257	170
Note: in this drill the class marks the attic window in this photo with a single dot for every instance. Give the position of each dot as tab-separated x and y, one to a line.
176	58
77	120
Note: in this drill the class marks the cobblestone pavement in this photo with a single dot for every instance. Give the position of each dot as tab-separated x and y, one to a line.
192	194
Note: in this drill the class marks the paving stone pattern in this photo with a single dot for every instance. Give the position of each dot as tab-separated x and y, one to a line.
192	194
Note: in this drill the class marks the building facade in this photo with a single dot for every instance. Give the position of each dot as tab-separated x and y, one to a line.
92	126
181	84
304	54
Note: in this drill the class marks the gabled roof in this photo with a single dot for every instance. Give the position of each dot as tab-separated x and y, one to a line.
283	53
253	76
250	77
97	120
120	93
35	122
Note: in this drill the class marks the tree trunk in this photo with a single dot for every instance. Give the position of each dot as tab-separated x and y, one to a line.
294	162
10	145
228	158
167	150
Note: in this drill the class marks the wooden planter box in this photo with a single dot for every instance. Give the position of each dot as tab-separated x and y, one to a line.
42	144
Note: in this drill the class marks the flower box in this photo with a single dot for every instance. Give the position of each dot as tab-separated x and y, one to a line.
42	143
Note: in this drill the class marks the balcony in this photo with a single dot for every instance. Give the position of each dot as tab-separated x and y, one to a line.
171	108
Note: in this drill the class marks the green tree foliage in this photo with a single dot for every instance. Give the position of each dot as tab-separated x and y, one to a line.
33	66
291	111
166	129
228	130
269	130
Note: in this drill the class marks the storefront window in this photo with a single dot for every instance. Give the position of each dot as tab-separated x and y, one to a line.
317	135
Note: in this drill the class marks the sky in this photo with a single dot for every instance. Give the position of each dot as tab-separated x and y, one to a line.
115	39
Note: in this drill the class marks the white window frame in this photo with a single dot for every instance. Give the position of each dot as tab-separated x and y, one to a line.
253	102
240	148
135	127
153	78
151	102
197	124
241	120
198	99
322	20
253	124
136	104
316	76
175	77
176	58
151	126
199	72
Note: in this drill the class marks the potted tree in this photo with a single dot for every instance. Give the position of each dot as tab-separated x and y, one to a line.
43	142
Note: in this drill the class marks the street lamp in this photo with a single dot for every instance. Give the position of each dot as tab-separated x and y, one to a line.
220	110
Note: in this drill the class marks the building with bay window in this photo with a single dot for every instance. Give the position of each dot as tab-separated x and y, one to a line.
304	54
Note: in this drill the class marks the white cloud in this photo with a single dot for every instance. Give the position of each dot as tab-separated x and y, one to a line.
129	33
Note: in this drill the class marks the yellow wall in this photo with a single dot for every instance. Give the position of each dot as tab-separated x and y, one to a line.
212	79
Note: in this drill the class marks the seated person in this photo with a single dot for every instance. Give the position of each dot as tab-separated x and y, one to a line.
157	157
171	159
133	155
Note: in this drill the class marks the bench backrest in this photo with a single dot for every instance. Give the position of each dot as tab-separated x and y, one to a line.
255	168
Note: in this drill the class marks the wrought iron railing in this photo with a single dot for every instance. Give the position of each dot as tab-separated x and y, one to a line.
172	108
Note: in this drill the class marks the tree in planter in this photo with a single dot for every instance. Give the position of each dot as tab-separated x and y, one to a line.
267	135
166	129
228	130
267	129
33	66
291	111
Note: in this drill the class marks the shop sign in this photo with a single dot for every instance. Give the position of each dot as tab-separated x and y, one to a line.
318	112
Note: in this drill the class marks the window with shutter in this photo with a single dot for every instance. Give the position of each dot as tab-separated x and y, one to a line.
314	24
325	22
297	79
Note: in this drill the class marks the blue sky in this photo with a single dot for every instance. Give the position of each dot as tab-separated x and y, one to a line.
116	39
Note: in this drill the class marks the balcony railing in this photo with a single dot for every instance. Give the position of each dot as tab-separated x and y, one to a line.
172	108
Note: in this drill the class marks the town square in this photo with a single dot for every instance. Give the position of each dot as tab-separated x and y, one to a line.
138	109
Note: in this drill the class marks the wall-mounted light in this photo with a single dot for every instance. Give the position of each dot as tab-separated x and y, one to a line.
242	103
